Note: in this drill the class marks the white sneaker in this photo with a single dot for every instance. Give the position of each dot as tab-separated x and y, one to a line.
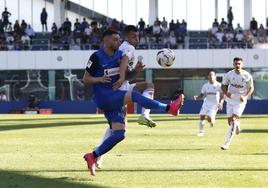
224	147
143	120
201	134
99	162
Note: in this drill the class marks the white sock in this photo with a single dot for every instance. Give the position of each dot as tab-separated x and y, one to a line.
230	134
201	126
148	93
108	133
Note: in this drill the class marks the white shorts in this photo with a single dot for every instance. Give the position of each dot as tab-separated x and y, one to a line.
209	110
126	86
235	107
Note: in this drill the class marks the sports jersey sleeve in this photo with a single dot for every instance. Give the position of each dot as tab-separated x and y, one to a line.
250	81
92	64
225	80
128	51
203	90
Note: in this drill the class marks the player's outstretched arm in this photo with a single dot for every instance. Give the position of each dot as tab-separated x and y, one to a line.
200	96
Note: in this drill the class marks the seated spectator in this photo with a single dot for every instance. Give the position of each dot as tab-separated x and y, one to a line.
9	28
261	34
156	31
239	39
165	34
172	41
76	35
17	42
223	24
29	31
229	36
10	41
25	41
238	28
249	39
55	41
219	35
54	28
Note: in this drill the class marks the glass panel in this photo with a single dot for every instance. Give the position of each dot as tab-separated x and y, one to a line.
129	12
2	6
37	9
258	12
144	11
115	12
222	10
238	11
100	6
87	3
164	10
179	10
208	13
193	15
12	7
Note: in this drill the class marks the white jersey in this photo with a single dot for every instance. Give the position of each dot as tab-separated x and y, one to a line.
238	84
129	51
211	92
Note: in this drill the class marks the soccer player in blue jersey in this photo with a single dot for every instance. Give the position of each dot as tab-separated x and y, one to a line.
106	72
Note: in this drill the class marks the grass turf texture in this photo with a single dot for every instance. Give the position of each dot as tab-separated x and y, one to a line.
46	151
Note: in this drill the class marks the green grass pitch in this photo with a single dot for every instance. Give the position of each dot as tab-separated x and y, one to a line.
39	151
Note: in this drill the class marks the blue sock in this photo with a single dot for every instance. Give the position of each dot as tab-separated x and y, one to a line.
110	142
146	102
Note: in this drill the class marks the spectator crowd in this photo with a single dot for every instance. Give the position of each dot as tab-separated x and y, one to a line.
84	35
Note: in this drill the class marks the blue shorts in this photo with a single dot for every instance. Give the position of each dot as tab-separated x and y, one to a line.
110	100
112	103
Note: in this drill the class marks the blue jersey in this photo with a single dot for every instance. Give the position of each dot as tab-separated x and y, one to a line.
99	64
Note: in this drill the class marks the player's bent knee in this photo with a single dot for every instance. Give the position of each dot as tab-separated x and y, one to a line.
119	135
150	85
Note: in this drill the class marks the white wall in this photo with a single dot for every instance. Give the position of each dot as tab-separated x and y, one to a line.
53	60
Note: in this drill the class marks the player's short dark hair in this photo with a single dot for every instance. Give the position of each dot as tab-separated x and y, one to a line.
130	28
109	32
237	59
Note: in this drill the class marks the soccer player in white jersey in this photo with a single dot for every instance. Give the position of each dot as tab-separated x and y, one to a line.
131	40
240	87
213	100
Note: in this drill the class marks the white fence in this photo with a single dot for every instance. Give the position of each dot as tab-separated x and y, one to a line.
54	60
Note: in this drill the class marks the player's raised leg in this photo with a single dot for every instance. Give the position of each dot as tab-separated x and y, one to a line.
173	108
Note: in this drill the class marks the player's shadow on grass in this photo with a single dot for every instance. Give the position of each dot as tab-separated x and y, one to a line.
18	179
32	125
188	170
254	130
172	149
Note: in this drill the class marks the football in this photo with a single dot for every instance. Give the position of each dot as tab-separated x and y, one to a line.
165	57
